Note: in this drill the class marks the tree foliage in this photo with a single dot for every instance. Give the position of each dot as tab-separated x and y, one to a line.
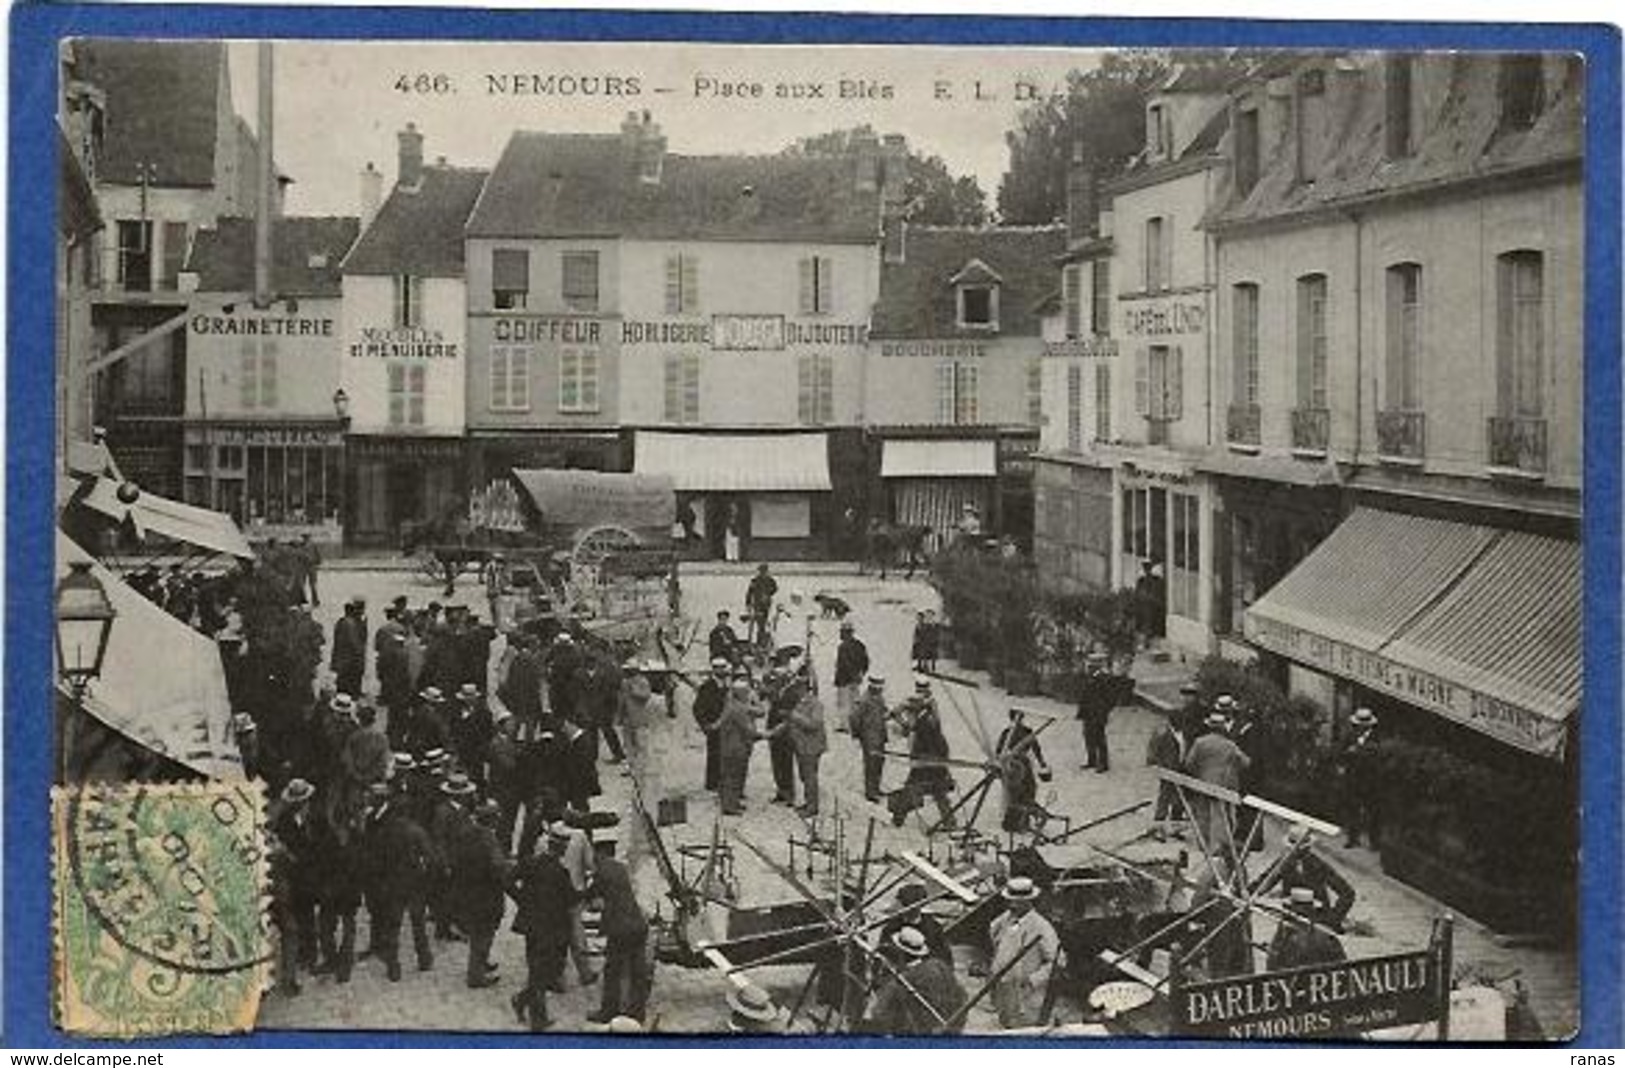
934	194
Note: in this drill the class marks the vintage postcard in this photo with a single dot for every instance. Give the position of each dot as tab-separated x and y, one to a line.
790	539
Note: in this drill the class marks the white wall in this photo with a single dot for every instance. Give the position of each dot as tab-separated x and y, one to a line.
369	306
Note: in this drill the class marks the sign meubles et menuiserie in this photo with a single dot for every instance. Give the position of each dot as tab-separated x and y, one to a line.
1320	1001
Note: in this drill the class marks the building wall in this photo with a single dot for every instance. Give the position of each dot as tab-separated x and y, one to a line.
904	383
439	346
306	357
197	208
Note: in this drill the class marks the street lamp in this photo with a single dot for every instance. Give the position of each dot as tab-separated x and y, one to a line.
84	622
341	404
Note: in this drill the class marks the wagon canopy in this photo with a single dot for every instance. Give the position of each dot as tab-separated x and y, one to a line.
580	500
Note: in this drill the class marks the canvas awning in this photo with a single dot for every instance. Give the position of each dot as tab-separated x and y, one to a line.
1289	469
150	514
741	463
939	459
1476	624
582	499
162	684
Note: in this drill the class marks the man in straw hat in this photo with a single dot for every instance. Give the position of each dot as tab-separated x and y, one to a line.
752	1012
296	862
1303	866
1019	994
544	895
919	993
1299	940
1215	758
399	862
1360	774
868	725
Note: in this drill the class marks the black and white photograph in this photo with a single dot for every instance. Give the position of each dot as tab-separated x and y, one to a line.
818	540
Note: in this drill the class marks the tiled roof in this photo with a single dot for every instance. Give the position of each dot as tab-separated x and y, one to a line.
1461	139
305	255
420	231
917	296
162	108
580	185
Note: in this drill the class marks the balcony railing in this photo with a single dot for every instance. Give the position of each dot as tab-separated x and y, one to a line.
1311	429
1518	443
1402	436
1241	425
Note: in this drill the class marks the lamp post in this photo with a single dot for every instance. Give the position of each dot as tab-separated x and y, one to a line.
341	405
84	622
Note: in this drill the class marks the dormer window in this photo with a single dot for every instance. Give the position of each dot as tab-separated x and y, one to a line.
1521	91
976	289
1311	115
1248	150
1159	139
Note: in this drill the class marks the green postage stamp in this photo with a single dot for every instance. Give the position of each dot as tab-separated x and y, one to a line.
160	900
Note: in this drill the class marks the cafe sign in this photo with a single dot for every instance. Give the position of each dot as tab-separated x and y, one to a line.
1081	348
1164	318
1340	1000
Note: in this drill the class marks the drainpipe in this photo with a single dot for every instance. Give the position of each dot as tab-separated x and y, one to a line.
1359	336
264	181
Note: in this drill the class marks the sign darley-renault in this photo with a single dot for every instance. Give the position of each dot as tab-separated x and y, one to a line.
1324	1000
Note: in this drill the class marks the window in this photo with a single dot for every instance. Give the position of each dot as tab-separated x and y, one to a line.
1312	341
1072	299
1158	134
682	387
408	300
817	283
1035	391
1185	572
1074	408
1100	299
1103	401
815	389
579	286
1521	91
1403	390
257	373
174	255
1520	334
956	393
1248	152
1159	383
979	307
1311	121
510	378
682	284
135	254
510	278
1157	253
578	380
1398	90
406	381
1244	343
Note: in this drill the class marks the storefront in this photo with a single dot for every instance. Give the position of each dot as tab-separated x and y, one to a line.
404	489
932	482
1164	520
277	480
1072	537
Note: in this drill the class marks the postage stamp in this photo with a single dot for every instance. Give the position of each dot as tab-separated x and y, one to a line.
160	894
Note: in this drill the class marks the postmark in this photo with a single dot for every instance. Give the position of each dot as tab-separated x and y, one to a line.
160	894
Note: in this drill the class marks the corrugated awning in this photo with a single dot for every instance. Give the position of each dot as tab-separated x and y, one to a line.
736	462
1294	471
939	459
151	514
1476	624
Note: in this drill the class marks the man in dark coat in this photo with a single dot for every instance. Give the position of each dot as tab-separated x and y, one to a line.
521	690
782	694
868	726
928	775
1361	780
1303	866
340	879
1299	941
450	825
563	677
918	994
394	668
759	605
577	767
400	861
723	643
598	686
627	975
468	734
1166	749
542	890
851	665
1098	693
480	874
298	845
911	898
708	699
349	660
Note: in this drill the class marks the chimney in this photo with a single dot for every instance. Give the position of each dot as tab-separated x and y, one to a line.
644	147
1082	214
865	153
265	182
409	170
893	198
372	194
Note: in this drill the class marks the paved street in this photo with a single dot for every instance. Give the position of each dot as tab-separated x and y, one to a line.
1388	916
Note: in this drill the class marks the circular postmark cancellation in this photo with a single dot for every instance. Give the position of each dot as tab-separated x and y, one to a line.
173	875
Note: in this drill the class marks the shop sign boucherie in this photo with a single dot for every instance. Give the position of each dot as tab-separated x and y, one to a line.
1321	1001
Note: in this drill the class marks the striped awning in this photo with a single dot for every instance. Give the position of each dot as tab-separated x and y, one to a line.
736	463
939	459
1474	623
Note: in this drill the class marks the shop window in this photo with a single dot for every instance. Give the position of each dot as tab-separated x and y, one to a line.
1100	299
1520	334
1244	343
1103	401
682	393
408	312
978	307
1035	391
510	278
510	378
135	254
578	380
956	393
174	255
1248	151
257	374
1312	342
1402	378
815	389
682	284
406	393
580	281
1072	299
1185	559
1074	408
817	285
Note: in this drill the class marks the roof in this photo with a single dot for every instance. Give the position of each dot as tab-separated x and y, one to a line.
583	185
162	108
1462	139
79	214
1201	152
917	296
735	462
420	230
305	254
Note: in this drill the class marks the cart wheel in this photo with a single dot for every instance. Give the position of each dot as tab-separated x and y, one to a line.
598	543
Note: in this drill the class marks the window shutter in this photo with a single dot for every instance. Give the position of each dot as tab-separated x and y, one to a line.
1176	383
691	388
1074	407
417	301
826	389
1103	401
1100	311
1306	343
674	285
589	380
1072	298
248	372
1167	251
398	292
807	284
519	377
397	394
499	378
965	399
415	394
510	269
1142	382
826	285
569	380
268	374
804	389
1393	358
690	283
945	392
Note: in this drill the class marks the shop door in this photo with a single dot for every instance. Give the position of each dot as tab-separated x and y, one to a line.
371	499
405	494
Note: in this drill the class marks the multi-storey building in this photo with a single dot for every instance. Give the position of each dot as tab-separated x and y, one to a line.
702	317
404	320
80	119
952	386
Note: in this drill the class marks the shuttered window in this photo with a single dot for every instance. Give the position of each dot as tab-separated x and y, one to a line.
1312	341
408	301
406	393
1103	401
682	387
1155	246
1072	299
578	380
1244	343
579	281
816	285
1402	365
257	373
1074	407
1035	391
510	378
1100	300
815	389
1520	334
510	278
174	254
682	284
